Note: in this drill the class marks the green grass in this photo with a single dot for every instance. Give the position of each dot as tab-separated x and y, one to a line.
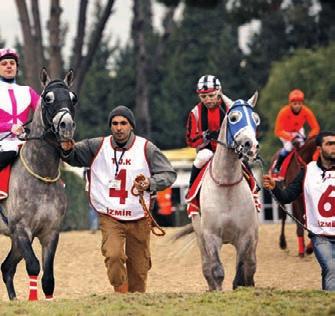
244	301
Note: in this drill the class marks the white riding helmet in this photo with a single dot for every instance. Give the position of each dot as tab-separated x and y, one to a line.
208	83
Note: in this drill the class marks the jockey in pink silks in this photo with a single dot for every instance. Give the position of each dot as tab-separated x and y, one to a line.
16	103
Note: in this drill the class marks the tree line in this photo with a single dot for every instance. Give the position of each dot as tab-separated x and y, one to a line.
156	72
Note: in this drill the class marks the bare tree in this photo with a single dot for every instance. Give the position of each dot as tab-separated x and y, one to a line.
84	62
141	33
30	62
38	33
36	55
141	28
54	27
168	27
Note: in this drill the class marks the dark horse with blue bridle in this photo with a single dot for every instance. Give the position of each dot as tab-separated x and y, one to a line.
37	202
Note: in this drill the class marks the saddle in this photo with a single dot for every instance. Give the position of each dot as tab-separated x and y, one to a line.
192	196
283	169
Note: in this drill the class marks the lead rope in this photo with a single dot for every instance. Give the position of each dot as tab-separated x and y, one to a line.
147	214
282	206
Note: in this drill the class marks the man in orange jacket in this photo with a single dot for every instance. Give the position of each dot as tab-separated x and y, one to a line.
289	126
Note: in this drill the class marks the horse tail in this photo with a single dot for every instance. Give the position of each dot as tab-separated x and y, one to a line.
186	230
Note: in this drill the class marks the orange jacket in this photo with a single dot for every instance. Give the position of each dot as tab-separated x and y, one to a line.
287	122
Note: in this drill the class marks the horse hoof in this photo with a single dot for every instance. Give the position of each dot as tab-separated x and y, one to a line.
282	244
282	241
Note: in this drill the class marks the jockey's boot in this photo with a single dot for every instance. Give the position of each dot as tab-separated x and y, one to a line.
7	157
194	173
282	155
123	288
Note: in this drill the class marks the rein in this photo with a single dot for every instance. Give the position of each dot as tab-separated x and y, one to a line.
147	214
300	161
10	133
261	163
290	215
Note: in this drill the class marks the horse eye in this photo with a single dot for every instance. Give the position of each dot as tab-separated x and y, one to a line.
73	97
234	117
49	97
256	118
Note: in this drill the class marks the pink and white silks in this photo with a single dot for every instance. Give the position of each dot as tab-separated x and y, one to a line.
15	104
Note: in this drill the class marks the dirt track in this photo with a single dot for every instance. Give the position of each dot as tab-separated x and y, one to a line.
80	270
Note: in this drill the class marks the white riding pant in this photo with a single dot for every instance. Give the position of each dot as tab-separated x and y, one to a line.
287	144
202	157
10	144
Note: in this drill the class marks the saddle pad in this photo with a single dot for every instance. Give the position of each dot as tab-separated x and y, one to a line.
4	181
196	185
192	196
284	166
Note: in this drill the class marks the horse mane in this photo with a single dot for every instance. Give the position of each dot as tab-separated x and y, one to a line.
307	150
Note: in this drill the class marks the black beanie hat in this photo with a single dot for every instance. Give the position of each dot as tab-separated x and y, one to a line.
122	111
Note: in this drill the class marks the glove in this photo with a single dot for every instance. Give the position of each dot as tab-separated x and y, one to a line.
298	140
17	129
210	135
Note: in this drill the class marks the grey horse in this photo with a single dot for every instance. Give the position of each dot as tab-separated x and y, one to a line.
37	202
228	213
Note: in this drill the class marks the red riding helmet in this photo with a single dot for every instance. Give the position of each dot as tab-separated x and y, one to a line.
296	95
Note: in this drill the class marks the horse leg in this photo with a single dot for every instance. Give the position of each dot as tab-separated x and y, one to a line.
297	210
196	222
8	269
32	264
282	238
211	264
49	247
245	262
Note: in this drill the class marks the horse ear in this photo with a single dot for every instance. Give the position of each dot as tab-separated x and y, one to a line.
44	77
69	78
228	102
253	100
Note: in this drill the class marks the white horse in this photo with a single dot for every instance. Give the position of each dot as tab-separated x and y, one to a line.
228	213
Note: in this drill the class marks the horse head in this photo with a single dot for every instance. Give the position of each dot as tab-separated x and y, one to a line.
241	124
58	106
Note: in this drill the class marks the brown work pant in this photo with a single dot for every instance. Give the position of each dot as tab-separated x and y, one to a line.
126	248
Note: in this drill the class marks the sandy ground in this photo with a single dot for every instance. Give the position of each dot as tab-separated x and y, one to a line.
80	270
